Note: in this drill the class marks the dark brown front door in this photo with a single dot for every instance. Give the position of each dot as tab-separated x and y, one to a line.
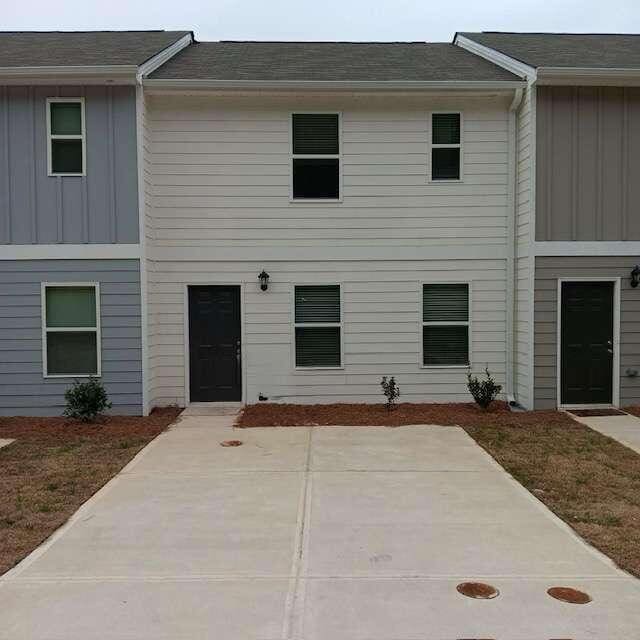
214	344
586	360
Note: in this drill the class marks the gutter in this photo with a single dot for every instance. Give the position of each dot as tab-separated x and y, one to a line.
518	95
183	84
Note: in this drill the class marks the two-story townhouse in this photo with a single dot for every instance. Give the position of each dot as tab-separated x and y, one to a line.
70	244
319	215
578	196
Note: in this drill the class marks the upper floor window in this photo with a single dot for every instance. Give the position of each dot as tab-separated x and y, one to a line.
446	151
445	324
71	329
66	136
316	156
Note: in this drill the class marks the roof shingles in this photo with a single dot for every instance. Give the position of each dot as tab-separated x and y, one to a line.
565	50
82	48
329	62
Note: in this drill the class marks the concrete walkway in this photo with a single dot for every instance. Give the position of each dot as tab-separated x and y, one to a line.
330	533
624	429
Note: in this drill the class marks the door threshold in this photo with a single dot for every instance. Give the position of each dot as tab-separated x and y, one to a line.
571	407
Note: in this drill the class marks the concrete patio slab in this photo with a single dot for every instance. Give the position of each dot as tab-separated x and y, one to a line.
624	429
4	442
312	534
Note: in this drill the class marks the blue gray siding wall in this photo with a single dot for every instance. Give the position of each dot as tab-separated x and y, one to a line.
23	389
39	209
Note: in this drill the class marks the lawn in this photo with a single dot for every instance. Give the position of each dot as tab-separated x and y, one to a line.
55	465
591	481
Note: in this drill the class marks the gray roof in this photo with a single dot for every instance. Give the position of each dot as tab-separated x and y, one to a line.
82	48
590	50
329	62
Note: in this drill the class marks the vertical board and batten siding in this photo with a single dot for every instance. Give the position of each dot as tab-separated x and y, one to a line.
23	389
101	207
588	142
523	342
548	271
219	196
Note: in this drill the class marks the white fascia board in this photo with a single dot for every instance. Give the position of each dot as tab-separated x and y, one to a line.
100	74
166	54
506	62
588	76
69	251
586	248
289	85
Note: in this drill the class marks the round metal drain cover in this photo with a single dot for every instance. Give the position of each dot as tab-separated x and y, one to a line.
231	443
567	594
478	590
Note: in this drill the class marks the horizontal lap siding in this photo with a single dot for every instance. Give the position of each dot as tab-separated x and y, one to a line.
382	331
548	270
23	389
218	179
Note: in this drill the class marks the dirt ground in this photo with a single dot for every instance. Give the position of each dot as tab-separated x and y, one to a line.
56	464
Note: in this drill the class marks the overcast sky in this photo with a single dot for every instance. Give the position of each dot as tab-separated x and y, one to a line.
325	20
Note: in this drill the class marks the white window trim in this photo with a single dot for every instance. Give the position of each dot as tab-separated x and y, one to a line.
82	136
45	330
295	325
432	146
305	156
460	323
615	389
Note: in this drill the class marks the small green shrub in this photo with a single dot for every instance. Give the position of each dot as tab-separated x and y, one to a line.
391	390
86	400
484	392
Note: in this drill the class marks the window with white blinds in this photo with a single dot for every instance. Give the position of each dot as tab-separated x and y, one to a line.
445	324
315	156
446	148
318	326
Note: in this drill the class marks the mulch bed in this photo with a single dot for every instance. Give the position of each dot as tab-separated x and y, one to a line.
56	464
452	414
634	411
589	480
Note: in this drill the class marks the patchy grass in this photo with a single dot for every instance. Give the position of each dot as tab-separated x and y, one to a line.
55	465
591	481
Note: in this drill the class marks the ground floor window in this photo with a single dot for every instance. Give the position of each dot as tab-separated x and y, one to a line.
71	329
318	326
445	324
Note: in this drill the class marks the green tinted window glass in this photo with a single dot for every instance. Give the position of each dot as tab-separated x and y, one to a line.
66	118
445	128
445	302
317	346
66	156
448	345
71	307
72	353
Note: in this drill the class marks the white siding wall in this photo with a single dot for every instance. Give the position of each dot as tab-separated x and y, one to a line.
524	255
219	194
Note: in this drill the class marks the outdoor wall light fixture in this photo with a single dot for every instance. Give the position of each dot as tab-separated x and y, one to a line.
264	280
635	276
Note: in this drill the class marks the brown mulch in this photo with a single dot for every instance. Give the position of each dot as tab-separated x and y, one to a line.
589	480
56	464
634	411
460	414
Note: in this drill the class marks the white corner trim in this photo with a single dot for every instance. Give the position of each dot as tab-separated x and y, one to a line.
582	248
69	251
160	58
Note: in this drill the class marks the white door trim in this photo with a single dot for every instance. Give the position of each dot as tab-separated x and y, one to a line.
615	388
243	359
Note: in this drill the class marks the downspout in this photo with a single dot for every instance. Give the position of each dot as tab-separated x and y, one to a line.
511	245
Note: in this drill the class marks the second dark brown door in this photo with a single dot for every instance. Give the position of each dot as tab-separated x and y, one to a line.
586	360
